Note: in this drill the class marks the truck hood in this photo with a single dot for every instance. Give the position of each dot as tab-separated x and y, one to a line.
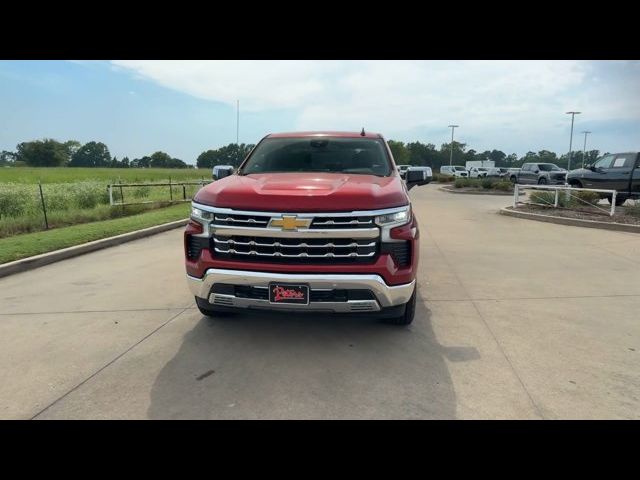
304	192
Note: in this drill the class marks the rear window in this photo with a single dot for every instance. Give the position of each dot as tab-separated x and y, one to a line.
624	160
365	156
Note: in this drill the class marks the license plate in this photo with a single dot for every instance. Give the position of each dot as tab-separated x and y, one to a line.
288	293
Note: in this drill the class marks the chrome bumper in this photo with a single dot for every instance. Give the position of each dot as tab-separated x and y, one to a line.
386	295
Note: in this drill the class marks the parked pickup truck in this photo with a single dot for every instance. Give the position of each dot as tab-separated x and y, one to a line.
616	171
313	221
539	173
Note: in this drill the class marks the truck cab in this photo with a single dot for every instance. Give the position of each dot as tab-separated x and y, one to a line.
540	174
614	171
310	221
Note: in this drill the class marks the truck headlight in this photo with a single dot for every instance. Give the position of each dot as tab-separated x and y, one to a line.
394	219
198	213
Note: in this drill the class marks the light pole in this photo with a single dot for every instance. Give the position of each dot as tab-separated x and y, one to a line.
573	114
584	148
452	127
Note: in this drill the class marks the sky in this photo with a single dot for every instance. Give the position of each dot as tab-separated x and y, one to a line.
186	107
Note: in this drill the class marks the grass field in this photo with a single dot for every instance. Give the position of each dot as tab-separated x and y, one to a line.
80	195
22	246
104	175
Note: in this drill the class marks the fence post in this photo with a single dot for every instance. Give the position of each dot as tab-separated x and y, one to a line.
170	190
516	194
613	203
555	203
122	197
111	194
44	208
184	192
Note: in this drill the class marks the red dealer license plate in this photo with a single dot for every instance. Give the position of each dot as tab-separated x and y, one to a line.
288	293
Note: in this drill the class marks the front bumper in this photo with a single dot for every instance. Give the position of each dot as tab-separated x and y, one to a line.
385	295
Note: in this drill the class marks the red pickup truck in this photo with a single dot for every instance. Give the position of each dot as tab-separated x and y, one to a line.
311	221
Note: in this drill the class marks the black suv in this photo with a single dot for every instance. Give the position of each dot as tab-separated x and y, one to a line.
615	171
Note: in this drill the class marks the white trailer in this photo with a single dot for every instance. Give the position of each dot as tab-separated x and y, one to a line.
480	163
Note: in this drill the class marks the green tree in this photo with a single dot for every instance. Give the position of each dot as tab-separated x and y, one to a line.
7	158
231	154
458	153
422	154
72	147
159	160
91	154
399	151
42	153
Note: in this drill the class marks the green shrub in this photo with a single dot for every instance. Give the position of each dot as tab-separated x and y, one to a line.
579	198
441	178
15	200
487	183
503	185
634	209
544	198
141	192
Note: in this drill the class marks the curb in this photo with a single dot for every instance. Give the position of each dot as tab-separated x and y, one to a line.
457	191
573	222
36	261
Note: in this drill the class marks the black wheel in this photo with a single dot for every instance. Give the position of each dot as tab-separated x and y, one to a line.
513	179
542	181
576	184
619	200
409	311
208	310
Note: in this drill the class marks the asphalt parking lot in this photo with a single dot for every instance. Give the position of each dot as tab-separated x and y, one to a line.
516	319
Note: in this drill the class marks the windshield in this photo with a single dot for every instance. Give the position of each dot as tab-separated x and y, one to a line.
548	167
460	169
365	156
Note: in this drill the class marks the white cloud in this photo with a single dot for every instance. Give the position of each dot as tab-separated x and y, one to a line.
509	103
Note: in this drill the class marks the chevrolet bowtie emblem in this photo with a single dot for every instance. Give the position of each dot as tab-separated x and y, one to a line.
290	222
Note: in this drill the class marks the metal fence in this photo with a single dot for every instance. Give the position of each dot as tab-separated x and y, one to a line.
119	187
518	188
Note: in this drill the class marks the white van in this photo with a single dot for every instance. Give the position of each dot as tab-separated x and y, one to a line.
453	170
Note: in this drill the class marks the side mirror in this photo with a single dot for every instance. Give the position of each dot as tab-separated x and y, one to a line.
418	176
221	171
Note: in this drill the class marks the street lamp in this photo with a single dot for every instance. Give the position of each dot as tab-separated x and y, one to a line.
452	127
584	148
573	114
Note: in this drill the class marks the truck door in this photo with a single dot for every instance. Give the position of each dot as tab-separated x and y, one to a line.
618	174
598	177
525	174
635	177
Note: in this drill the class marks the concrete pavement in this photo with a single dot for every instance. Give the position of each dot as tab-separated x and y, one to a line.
516	319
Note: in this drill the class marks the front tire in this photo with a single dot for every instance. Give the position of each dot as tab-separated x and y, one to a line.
619	200
542	181
409	311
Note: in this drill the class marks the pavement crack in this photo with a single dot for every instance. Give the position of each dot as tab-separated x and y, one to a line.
486	324
108	364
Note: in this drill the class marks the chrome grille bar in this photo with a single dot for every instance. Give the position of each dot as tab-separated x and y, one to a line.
299	255
253	243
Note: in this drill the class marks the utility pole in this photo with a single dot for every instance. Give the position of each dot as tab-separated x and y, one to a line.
584	148
452	127
573	114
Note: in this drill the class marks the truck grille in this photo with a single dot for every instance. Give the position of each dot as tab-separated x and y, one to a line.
320	222
255	221
305	250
